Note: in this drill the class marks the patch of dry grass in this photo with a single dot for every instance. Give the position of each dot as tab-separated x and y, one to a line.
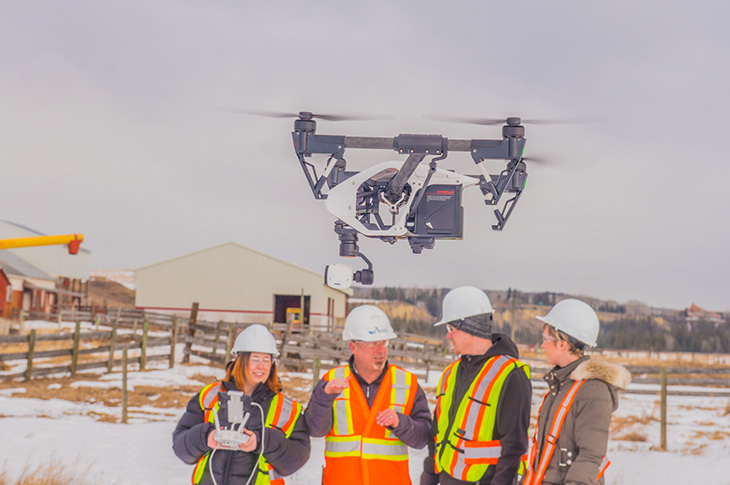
631	436
696	451
159	397
727	409
712	435
298	388
52	472
620	423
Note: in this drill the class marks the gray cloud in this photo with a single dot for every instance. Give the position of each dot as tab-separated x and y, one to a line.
111	125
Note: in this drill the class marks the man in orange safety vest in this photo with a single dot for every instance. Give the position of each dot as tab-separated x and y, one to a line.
369	411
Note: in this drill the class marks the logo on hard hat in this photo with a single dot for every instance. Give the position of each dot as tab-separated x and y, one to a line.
377	330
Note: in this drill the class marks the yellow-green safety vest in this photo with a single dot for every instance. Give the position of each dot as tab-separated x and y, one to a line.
466	448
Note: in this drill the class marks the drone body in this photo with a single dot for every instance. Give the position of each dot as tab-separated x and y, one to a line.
405	199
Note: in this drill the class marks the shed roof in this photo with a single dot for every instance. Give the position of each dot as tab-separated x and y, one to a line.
244	248
16	266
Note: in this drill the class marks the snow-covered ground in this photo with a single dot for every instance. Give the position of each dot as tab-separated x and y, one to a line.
35	431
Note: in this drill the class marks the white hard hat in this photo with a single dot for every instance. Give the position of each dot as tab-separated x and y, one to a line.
255	338
462	302
574	318
369	324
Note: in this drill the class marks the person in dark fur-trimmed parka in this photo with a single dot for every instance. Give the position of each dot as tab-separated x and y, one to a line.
582	395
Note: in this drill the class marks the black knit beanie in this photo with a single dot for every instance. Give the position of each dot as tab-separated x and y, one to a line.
477	325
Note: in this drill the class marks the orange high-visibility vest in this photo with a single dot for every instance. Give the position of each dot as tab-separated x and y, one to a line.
282	413
535	476
358	451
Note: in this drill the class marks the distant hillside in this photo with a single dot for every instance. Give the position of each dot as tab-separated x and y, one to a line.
102	290
630	325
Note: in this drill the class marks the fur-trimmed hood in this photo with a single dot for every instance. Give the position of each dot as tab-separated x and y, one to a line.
613	374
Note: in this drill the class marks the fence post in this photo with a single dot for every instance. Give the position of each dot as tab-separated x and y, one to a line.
316	366
75	350
173	341
124	386
96	323
31	349
217	336
663	406
119	314
229	343
134	327
112	344
143	347
191	333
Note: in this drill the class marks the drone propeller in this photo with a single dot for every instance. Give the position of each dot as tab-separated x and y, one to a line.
308	115
513	121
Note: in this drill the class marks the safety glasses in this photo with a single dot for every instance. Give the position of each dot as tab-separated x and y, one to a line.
548	338
257	361
372	345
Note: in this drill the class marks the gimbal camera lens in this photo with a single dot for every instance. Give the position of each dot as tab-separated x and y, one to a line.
348	245
365	276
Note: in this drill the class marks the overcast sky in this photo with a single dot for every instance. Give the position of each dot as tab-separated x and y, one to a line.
112	124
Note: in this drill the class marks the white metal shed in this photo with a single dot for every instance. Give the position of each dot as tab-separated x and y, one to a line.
237	284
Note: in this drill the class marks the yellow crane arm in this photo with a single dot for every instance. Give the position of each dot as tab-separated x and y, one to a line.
73	241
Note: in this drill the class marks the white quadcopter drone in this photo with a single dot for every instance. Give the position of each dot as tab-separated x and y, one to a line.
405	200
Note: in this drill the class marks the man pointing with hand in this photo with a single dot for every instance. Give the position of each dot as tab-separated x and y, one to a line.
368	410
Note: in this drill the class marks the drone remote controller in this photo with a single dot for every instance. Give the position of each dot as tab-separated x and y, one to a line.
231	439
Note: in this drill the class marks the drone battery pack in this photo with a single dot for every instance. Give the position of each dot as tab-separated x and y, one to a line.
439	213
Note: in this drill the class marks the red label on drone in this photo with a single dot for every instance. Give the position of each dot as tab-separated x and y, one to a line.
445	192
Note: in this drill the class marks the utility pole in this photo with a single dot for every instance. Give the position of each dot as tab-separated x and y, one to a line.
512	324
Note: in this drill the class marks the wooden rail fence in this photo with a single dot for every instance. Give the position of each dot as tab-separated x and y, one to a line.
213	341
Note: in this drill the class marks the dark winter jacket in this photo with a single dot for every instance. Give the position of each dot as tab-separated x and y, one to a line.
286	455
412	429
513	417
583	440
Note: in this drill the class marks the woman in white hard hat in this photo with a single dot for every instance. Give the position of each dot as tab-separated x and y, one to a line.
247	401
576	410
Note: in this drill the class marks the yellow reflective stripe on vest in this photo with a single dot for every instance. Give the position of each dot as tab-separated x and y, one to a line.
288	408
208	400
384	449
401	382
342	424
482	452
200	468
479	394
342	445
401	385
208	395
